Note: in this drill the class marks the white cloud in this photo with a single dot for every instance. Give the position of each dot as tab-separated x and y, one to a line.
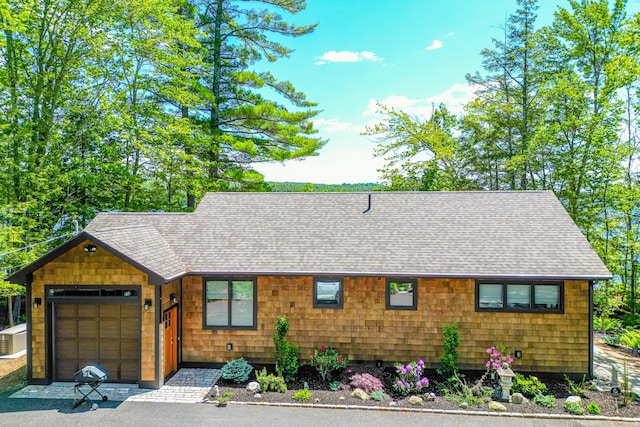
334	125
347	56
454	98
436	44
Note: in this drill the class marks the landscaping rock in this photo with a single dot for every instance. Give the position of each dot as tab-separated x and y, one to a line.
517	398
257	396
464	405
497	406
392	403
341	397
415	400
360	394
576	399
253	387
429	397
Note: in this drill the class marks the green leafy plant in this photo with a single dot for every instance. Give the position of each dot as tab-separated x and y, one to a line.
578	388
334	385
449	358
302	395
237	370
627	394
612	340
326	360
528	386
457	390
378	395
546	400
593	408
286	354
573	408
631	338
270	382
224	399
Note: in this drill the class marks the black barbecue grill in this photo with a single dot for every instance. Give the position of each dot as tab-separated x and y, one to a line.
90	376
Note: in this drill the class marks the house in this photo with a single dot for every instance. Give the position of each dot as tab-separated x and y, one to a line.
374	275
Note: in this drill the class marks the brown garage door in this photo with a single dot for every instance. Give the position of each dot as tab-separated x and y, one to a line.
107	334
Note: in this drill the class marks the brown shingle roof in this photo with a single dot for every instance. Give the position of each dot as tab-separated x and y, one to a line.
470	234
428	234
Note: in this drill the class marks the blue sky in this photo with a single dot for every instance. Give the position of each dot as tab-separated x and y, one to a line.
406	54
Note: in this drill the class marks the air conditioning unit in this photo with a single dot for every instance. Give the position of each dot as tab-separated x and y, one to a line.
13	340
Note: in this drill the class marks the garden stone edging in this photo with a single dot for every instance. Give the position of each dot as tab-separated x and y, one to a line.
438	411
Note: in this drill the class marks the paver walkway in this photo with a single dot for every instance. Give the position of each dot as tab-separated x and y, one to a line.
186	386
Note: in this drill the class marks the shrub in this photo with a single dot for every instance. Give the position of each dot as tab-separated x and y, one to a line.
450	342
497	358
237	370
578	388
630	320
573	408
528	386
546	400
302	395
612	340
366	382
378	395
334	385
409	378
631	338
326	360
270	382
286	354
611	326
593	408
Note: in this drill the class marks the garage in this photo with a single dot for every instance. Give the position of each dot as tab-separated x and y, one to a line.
95	327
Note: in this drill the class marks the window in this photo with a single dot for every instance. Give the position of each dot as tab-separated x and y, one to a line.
401	294
230	303
327	293
519	297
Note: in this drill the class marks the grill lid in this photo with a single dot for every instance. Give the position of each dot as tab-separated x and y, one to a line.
90	373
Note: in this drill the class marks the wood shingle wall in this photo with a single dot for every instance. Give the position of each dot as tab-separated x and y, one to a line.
365	331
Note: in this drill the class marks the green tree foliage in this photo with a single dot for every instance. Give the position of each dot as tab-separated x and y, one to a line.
238	124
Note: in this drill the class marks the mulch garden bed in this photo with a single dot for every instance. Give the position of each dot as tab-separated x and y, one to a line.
321	395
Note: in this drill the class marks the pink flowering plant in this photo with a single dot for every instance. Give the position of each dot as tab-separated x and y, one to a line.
497	357
409	378
326	360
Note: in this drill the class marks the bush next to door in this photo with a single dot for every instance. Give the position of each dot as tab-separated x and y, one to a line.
237	370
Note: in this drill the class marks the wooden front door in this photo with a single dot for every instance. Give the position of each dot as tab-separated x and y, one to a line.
170	321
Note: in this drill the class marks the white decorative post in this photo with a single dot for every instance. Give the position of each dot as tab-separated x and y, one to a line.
506	376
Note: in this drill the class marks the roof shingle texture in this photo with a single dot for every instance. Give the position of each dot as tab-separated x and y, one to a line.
437	234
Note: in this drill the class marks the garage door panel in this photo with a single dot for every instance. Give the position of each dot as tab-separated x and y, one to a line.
96	334
87	310
88	349
111	351
110	310
110	329
67	347
87	328
130	311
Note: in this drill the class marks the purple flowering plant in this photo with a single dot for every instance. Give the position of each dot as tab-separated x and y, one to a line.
326	360
497	357
409	378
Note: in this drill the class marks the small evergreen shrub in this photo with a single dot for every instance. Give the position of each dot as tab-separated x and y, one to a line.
448	359
573	408
302	395
270	382
378	395
528	386
326	360
593	408
366	382
286	354
546	400
334	385
237	370
578	388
